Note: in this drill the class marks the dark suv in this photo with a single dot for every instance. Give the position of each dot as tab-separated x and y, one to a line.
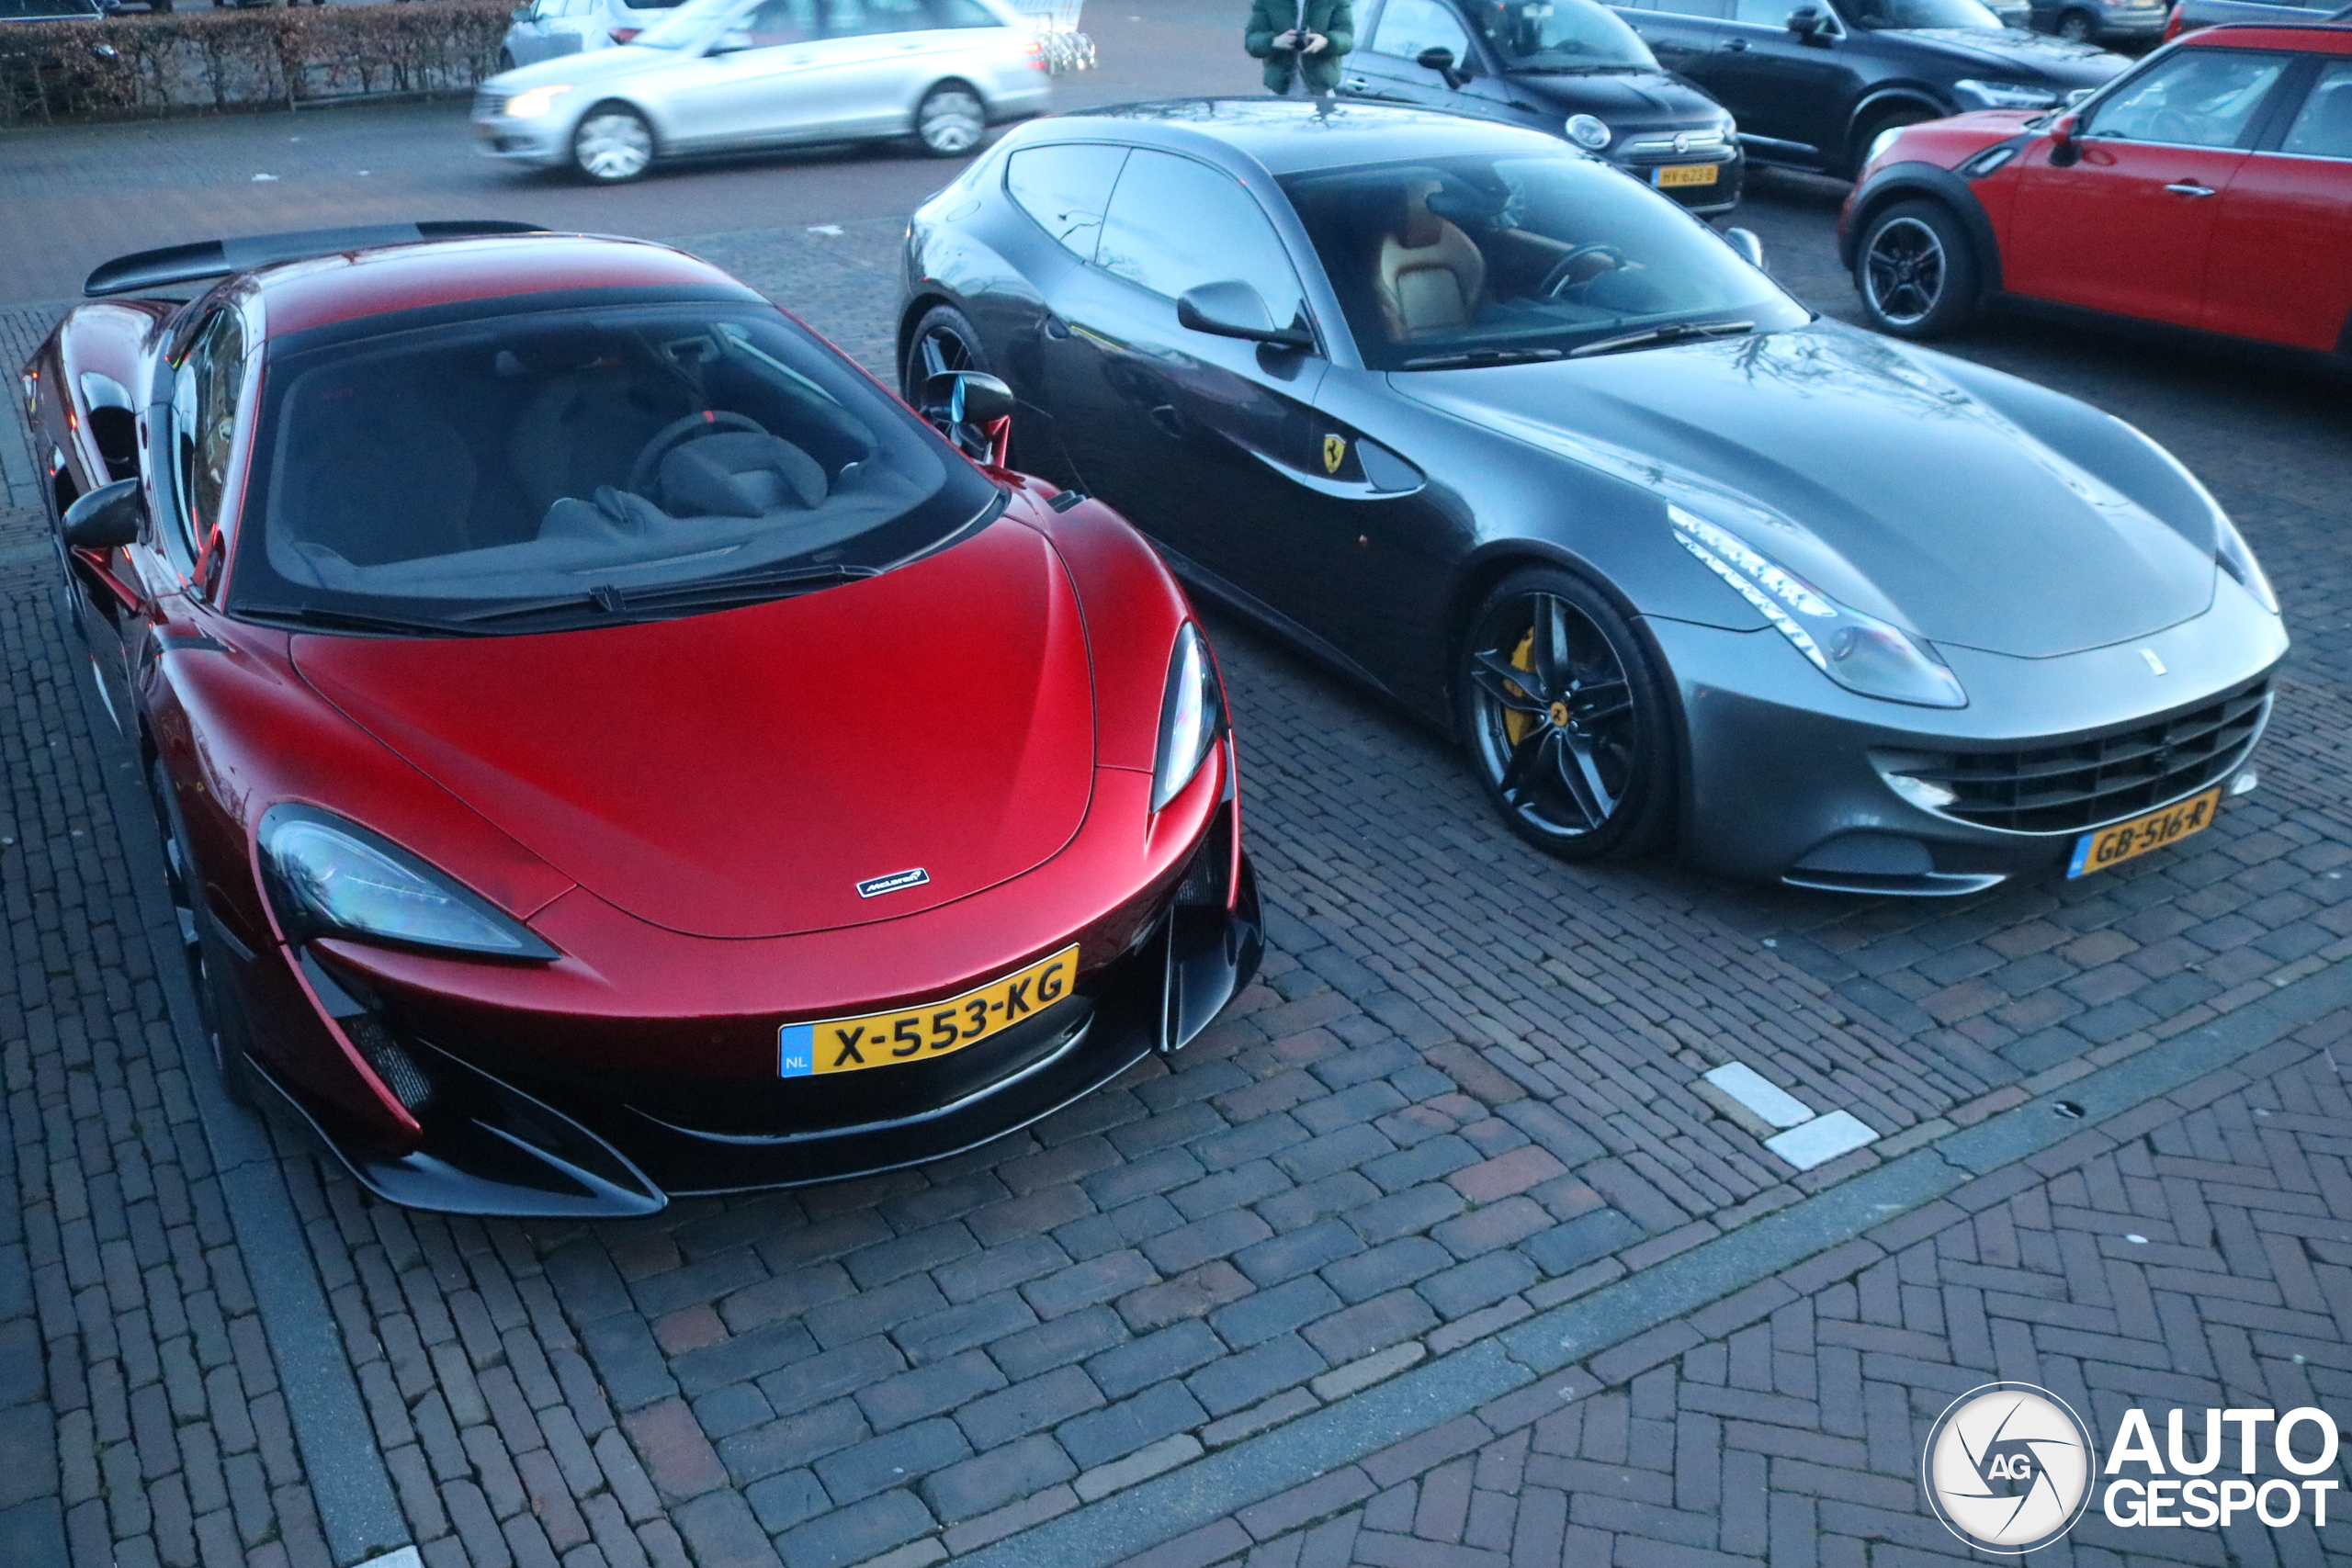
1569	68
1814	86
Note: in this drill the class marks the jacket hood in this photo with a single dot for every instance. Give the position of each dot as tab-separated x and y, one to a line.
2021	55
740	774
1857	464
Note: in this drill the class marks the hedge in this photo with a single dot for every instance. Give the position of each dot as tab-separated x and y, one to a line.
161	63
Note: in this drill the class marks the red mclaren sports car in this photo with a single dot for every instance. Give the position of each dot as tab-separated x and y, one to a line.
606	746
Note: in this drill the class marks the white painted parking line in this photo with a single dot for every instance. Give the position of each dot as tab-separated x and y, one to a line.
1821	1140
1748	1087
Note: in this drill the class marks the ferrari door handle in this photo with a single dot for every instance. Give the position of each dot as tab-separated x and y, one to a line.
2190	188
1736	46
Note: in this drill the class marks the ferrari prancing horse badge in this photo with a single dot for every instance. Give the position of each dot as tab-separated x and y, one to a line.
1335	452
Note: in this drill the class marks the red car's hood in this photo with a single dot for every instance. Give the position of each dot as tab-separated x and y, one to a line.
738	775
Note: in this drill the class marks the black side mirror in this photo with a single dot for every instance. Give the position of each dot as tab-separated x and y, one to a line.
971	410
1750	248
107	518
1805	22
1235	309
1440	60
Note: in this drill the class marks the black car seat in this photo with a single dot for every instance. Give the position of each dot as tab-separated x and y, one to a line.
582	428
1428	275
738	474
381	480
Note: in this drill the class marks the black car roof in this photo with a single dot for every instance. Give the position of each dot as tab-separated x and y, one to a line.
1291	135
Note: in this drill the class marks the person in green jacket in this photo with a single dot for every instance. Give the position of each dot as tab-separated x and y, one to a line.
1304	37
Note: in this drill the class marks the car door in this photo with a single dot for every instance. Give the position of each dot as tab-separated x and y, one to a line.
1386	67
1683	34
574	26
1790	87
2281	265
751	83
1196	438
1063	188
2128	223
872	59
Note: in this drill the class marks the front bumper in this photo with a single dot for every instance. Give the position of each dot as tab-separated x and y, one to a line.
539	144
1713	200
521	1134
1783	770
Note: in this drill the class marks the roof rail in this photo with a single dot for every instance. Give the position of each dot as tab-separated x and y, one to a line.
218	258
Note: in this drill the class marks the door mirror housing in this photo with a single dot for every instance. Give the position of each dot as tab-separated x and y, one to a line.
1749	248
2064	151
1235	309
1440	60
971	408
2078	97
1805	21
107	518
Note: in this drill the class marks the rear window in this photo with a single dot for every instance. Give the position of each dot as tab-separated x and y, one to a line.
479	468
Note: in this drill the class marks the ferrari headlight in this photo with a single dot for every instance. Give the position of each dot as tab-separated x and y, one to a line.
1859	652
1191	716
2230	551
334	877
2004	95
533	102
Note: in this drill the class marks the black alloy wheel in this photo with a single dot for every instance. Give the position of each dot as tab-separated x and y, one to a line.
2078	27
944	339
219	1012
1567	719
1915	272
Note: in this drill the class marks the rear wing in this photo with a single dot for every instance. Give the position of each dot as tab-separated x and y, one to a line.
218	258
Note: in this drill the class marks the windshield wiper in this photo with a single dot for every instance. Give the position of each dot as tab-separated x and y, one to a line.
1482	356
747	588
1650	337
351	620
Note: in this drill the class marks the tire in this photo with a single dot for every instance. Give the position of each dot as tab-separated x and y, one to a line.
943	340
612	145
220	1012
950	120
1580	759
2077	26
1915	271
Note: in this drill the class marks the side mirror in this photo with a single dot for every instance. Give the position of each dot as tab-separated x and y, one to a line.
1440	60
1750	248
2078	97
1805	21
107	518
1235	309
2064	152
734	40
972	410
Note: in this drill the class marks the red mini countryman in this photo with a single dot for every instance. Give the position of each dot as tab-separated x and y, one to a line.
2209	187
606	746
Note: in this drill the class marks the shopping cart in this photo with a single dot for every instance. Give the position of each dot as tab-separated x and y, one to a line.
1055	24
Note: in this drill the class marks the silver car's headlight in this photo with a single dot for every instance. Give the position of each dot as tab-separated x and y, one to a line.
2004	95
1859	652
333	877
2231	552
1191	716
532	103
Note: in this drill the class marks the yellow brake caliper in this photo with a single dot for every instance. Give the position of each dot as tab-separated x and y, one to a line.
1516	724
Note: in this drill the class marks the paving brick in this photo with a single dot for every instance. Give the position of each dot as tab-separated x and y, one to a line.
895	1458
1101	1436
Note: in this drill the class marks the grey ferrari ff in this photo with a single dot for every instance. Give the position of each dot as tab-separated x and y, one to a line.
1510	438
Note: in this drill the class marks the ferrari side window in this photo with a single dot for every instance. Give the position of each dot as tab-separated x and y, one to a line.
1065	189
1175	224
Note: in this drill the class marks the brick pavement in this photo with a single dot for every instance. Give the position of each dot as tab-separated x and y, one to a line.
1460	1096
2196	1255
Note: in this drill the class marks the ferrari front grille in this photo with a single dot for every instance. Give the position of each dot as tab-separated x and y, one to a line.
2086	784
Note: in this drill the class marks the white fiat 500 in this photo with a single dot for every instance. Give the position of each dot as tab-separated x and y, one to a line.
715	75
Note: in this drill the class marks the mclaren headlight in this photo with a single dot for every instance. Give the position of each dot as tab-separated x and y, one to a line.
1859	652
2231	552
1191	716
335	878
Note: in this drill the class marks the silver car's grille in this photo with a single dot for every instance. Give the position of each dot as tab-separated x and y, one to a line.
2059	789
489	105
1669	146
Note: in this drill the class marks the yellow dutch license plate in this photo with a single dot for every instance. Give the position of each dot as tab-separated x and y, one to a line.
2113	846
1686	175
934	1029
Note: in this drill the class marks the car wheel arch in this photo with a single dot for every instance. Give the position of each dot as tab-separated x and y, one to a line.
1870	115
1479	574
1904	182
919	305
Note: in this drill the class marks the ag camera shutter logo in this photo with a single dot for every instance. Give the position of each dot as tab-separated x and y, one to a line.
2009	1468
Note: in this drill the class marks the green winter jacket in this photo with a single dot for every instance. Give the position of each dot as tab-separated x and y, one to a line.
1335	20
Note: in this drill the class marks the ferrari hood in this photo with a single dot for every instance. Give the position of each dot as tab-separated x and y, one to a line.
926	734
1855	463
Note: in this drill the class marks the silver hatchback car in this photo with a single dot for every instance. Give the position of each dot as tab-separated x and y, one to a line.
715	75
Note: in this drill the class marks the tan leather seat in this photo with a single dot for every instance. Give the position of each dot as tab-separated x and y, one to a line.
1430	276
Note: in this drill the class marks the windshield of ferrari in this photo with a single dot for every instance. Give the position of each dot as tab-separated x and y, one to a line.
1565	36
616	458
1490	258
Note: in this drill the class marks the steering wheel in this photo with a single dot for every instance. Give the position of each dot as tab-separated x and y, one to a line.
2169	124
677	432
1563	275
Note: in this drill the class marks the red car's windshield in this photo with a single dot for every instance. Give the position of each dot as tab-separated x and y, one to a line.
607	454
